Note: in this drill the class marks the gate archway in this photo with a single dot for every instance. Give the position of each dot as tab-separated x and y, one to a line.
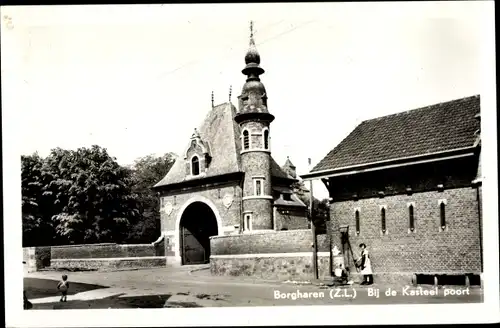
198	223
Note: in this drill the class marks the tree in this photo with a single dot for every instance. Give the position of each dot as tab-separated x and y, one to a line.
37	227
146	172
91	195
321	209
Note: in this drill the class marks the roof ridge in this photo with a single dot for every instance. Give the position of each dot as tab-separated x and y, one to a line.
423	108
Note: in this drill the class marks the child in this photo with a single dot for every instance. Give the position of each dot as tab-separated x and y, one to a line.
63	286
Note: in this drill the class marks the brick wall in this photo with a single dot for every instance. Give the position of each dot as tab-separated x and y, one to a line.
290	241
230	216
105	251
427	248
294	219
109	264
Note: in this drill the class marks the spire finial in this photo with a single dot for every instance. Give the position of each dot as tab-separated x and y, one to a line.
212	99
251	29
230	91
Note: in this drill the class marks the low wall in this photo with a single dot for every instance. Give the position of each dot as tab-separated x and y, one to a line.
277	255
105	264
292	266
105	251
290	241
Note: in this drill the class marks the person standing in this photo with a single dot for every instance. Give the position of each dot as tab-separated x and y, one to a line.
63	287
366	266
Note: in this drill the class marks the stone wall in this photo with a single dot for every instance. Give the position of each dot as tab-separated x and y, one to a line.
427	249
109	263
279	267
105	251
278	255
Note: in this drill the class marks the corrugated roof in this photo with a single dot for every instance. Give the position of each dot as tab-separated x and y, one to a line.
442	127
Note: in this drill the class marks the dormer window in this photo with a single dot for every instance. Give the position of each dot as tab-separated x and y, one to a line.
246	140
265	135
287	197
195	166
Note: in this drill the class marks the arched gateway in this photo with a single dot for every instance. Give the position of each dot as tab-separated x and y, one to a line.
198	223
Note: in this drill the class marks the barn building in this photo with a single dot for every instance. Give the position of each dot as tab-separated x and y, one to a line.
408	185
226	182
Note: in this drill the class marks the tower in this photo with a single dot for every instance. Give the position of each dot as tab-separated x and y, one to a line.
254	120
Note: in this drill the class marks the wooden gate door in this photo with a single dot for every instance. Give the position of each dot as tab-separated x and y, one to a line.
193	249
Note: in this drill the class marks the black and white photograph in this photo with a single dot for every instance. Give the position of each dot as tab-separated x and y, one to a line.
250	164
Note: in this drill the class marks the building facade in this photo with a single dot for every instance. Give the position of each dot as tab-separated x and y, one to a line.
408	185
227	182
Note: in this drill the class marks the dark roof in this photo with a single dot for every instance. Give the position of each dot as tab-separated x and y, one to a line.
222	134
442	127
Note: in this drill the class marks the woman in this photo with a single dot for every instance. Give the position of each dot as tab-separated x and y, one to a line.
366	266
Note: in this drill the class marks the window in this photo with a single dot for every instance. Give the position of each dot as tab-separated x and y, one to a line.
382	217
287	197
412	217
195	166
247	224
357	221
266	139
442	212
246	140
258	187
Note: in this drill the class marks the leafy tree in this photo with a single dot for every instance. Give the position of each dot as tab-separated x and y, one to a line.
37	227
321	209
91	195
146	172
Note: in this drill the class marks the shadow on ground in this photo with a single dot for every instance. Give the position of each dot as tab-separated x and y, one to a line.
38	288
117	302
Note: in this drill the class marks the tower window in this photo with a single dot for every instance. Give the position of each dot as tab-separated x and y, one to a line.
195	166
412	217
442	213
247	224
246	140
357	221
259	183
382	218
266	139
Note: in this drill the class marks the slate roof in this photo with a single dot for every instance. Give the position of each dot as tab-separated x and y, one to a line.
442	127
222	134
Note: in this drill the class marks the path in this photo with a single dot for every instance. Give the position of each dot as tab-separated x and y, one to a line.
180	286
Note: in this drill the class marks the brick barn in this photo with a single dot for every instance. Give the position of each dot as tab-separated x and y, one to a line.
408	185
226	182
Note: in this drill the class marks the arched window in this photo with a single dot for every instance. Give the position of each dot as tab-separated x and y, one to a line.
382	217
266	139
195	166
442	215
412	217
246	140
357	221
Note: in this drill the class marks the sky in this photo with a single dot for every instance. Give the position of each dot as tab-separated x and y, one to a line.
138	79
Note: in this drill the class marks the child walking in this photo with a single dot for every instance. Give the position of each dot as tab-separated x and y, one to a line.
63	287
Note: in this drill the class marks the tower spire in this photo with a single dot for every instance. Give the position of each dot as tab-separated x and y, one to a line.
212	99
230	91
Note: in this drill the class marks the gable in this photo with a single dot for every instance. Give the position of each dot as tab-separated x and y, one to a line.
219	138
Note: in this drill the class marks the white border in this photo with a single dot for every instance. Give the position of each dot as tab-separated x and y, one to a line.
276	315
